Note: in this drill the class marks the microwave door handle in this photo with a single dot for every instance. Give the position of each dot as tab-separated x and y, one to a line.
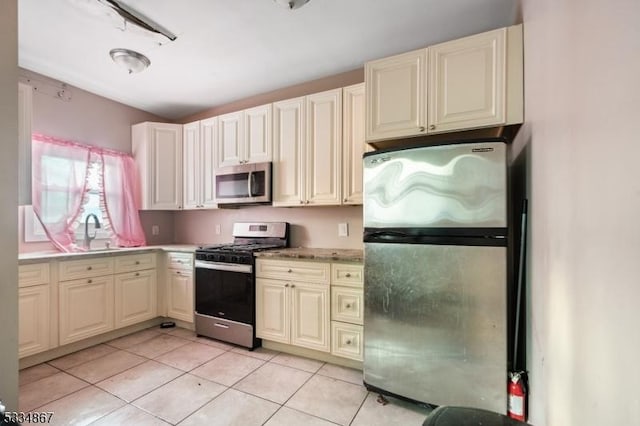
250	184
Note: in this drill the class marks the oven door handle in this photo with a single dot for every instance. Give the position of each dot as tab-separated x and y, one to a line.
247	269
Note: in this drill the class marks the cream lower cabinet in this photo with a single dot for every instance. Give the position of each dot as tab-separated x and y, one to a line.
292	303
86	307
180	299
136	297
347	311
34	309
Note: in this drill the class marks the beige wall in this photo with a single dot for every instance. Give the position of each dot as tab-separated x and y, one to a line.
314	86
9	191
310	226
582	67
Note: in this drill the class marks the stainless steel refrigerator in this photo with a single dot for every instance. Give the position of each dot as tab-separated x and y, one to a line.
435	271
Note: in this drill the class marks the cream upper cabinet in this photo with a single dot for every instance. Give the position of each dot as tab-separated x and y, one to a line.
468	81
353	143
192	165
307	150
245	136
324	148
257	132
396	96
230	139
289	141
463	84
199	144
157	148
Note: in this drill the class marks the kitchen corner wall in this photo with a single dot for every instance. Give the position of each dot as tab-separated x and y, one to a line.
94	120
310	226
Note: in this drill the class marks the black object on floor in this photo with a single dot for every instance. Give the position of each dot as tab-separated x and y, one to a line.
168	324
464	416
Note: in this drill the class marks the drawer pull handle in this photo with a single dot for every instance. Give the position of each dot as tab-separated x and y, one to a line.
348	342
89	281
178	272
89	268
293	286
137	262
348	305
221	325
348	275
289	271
137	274
286	285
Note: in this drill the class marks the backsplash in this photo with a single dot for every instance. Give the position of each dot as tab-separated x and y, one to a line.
310	226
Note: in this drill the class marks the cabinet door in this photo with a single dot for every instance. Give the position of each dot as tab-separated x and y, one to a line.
395	93
288	152
324	147
157	148
33	321
353	142
136	298
86	308
273	312
467	83
192	165
257	132
347	341
25	108
230	139
208	138
180	297
310	317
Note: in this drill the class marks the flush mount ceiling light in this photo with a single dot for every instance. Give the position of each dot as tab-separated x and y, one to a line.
130	60
292	4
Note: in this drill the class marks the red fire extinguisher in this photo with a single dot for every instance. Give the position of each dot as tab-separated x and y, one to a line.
517	396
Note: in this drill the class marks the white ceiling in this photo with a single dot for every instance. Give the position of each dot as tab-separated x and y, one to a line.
232	49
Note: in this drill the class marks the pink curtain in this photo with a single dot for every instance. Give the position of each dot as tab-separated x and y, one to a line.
60	179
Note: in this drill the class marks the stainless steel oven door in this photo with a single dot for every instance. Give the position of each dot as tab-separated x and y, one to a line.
225	291
244	184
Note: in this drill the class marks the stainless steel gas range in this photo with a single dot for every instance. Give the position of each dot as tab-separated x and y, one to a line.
225	290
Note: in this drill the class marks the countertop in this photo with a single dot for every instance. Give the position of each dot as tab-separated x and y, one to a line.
322	254
40	256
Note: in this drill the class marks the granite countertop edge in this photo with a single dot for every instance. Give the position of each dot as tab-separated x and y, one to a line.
317	254
45	256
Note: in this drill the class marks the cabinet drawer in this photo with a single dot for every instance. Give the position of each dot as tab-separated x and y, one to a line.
345	274
74	269
293	270
346	305
135	262
346	340
179	260
35	274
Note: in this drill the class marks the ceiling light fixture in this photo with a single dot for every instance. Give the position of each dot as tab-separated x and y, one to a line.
130	60
292	4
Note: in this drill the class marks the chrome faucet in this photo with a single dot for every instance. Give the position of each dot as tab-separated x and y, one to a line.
87	237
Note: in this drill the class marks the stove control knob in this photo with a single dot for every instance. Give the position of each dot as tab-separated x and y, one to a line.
201	256
221	258
210	257
246	260
234	259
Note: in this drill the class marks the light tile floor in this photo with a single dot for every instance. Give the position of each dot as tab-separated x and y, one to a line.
170	376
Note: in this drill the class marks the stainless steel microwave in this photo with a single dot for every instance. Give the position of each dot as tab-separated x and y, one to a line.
244	184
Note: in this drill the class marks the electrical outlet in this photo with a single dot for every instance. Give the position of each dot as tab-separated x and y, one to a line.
343	230
155	230
218	230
